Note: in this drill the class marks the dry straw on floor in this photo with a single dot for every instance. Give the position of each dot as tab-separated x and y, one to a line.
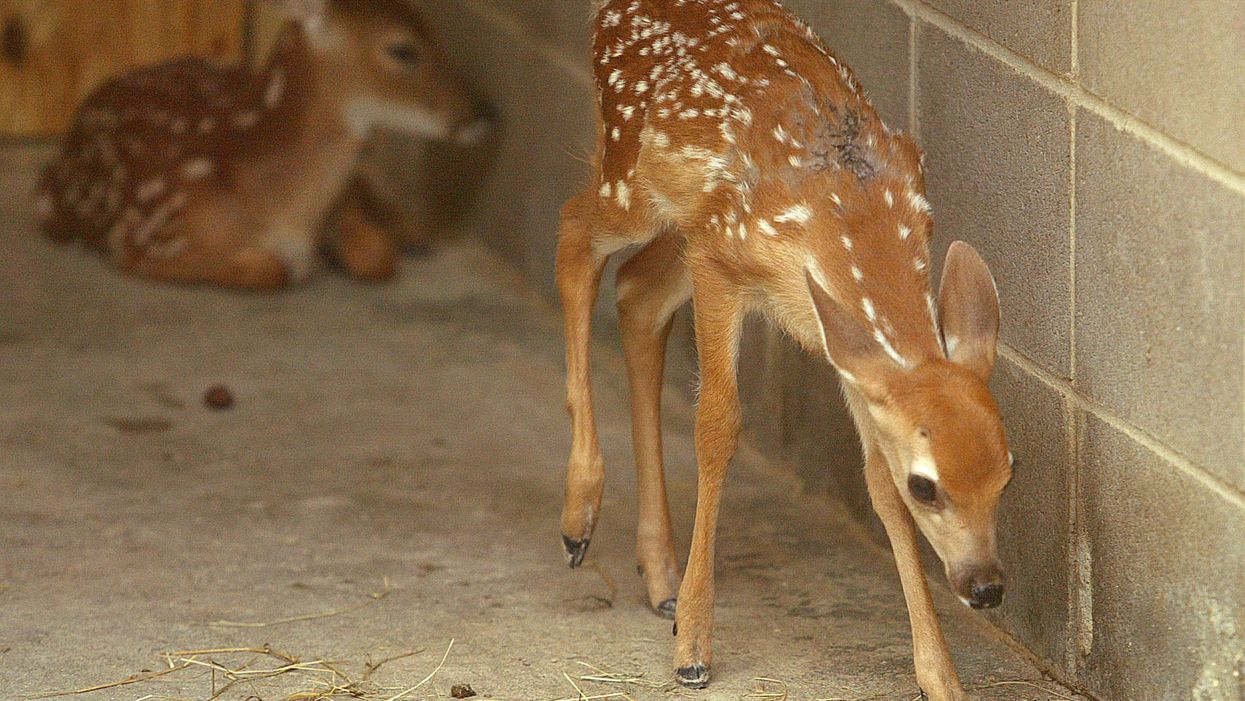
324	679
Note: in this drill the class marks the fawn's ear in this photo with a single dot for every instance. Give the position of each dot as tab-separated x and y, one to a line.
312	14
968	307
860	353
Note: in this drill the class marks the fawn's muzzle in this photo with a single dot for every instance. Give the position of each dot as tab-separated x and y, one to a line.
987	596
980	587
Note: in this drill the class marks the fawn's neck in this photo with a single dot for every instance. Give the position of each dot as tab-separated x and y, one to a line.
874	258
307	146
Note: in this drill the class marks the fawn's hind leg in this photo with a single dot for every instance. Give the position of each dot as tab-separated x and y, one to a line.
651	287
592	228
213	243
579	266
248	268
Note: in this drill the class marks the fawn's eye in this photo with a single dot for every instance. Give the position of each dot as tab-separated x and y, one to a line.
923	489
404	53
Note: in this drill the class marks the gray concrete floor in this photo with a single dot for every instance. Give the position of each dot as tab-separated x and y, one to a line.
409	436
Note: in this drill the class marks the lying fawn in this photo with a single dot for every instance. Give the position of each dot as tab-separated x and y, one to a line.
191	172
743	157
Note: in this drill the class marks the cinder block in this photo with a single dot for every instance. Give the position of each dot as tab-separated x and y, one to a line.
1160	308
545	128
872	37
820	438
1039	31
562	24
997	167
1168	576
1176	65
559	134
1034	516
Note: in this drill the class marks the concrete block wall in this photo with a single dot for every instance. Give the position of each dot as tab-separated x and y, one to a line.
1094	152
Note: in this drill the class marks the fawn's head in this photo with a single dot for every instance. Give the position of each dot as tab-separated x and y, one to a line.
391	71
936	422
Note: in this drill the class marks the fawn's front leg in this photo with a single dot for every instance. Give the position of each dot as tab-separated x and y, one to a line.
935	673
719	315
361	243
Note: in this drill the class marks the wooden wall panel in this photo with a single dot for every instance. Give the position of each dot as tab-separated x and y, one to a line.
54	52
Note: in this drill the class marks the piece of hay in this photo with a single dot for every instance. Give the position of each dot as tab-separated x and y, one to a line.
761	692
373	598
426	679
328	680
371	668
132	679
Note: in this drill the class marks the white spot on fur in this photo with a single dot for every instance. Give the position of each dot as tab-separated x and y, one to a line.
890	199
857	273
622	194
847	242
150	190
918	202
198	168
904	232
798	214
246	119
870	311
766	228
889	349
606	191
275	90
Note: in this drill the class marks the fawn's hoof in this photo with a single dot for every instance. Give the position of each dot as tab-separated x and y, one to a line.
666	608
693	677
575	550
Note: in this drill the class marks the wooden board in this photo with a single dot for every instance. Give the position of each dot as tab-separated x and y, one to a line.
55	52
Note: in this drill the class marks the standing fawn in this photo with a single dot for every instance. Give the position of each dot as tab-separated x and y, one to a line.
744	158
191	172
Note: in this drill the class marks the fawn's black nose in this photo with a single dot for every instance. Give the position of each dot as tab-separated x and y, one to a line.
979	585
986	596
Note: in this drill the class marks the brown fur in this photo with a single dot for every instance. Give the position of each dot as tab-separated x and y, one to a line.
744	159
188	171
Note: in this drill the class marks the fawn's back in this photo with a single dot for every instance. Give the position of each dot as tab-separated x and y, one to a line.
143	144
733	121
